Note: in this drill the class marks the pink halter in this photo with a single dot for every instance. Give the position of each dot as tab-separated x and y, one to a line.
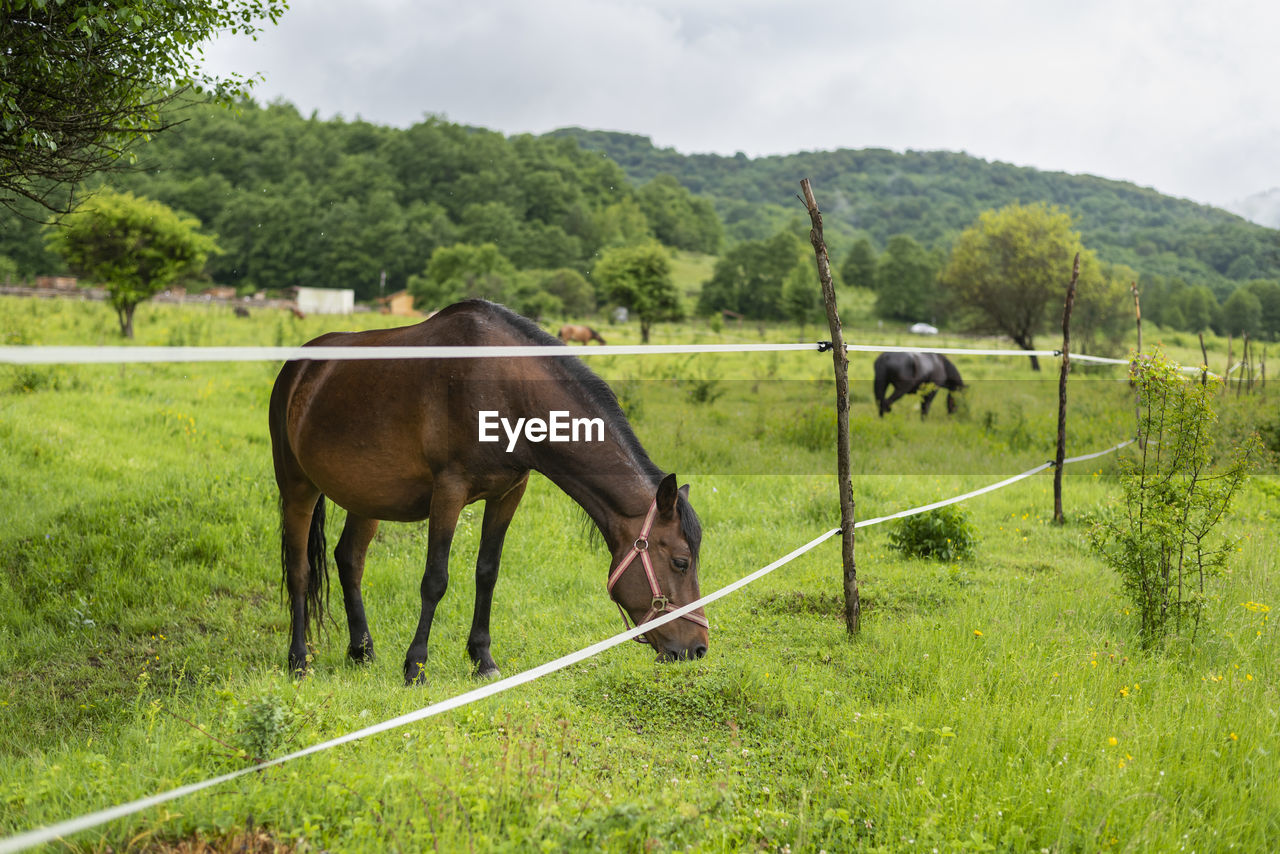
660	604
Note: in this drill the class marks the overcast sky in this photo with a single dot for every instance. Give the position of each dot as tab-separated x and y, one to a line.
1181	96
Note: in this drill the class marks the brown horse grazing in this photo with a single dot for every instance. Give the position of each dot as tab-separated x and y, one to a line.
412	439
582	334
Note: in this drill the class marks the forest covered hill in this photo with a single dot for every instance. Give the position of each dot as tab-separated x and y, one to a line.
933	195
301	201
298	200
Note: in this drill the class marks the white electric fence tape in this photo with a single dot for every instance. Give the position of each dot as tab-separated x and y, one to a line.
35	355
114	355
62	829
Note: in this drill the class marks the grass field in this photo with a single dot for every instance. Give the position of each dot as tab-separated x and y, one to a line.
997	704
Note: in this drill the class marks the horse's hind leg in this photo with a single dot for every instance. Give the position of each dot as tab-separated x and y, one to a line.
448	495
297	509
497	518
357	533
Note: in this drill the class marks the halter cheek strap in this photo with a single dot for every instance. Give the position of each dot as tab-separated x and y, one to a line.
660	603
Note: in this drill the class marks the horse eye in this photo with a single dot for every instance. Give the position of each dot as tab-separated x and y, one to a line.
681	563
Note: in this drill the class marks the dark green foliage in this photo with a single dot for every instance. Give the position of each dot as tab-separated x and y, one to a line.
859	267
639	278
81	82
944	534
133	247
1199	309
749	278
933	195
300	201
462	271
1268	294
906	281
576	296
1242	313
678	218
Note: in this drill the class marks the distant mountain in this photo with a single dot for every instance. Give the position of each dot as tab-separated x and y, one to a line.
933	195
1262	208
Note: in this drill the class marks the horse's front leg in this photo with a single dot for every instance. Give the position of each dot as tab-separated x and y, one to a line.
357	533
926	402
898	392
497	517
447	498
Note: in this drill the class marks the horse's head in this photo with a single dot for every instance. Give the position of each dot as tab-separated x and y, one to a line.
655	570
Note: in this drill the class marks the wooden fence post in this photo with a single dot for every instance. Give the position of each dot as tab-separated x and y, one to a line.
1137	312
1062	391
840	360
1204	370
1226	375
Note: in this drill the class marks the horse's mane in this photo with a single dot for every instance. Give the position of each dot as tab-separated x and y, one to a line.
601	396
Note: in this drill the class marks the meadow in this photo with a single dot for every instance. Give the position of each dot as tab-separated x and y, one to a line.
1001	703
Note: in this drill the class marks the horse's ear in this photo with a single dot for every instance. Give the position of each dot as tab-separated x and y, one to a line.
684	490
667	495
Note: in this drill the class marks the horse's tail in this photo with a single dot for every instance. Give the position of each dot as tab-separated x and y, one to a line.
317	563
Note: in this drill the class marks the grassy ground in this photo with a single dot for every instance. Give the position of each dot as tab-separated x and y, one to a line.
996	704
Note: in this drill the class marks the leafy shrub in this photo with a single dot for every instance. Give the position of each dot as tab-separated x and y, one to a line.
944	534
1162	543
263	726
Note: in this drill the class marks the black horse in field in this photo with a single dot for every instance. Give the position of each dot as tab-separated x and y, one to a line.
906	372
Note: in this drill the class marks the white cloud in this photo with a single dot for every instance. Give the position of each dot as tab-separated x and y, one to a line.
1178	95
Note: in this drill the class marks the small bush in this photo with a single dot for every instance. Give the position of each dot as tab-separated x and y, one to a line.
263	726
1163	543
945	534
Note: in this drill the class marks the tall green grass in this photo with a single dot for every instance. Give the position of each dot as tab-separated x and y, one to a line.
1000	703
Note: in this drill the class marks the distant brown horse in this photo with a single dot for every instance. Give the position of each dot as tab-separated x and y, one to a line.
582	334
406	440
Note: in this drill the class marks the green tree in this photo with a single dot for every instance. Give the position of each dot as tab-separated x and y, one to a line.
1006	269
906	281
679	218
859	267
749	278
1268	294
80	82
1103	311
802	295
1199	309
624	223
461	271
134	247
577	297
1242	313
639	278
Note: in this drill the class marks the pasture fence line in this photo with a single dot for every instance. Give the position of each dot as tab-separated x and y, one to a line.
70	355
53	832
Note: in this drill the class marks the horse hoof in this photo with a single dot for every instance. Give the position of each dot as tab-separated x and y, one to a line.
488	674
415	673
361	655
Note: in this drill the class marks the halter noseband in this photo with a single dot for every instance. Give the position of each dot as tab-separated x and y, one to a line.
660	604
